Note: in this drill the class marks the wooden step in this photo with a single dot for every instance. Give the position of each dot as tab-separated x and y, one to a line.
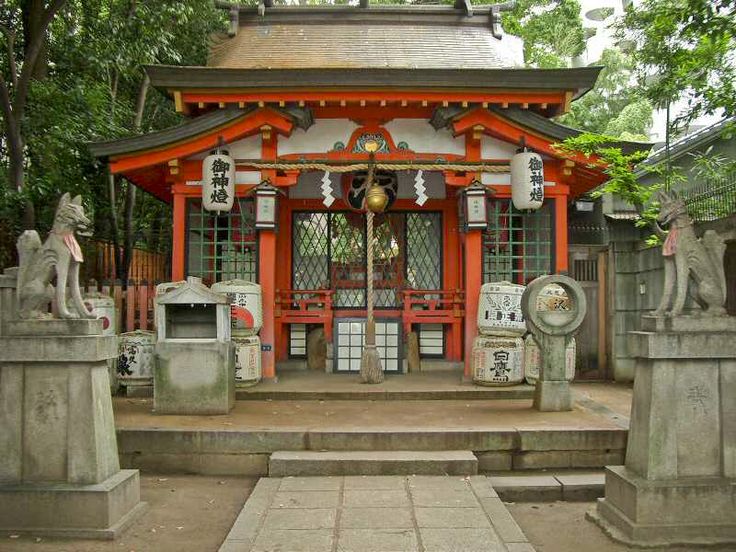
400	462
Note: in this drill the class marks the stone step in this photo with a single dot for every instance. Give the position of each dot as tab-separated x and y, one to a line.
270	392
550	486
443	462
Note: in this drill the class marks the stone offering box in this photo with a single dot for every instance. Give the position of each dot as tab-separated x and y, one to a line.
195	357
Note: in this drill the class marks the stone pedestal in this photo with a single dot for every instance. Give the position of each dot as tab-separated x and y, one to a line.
552	391
553	307
193	377
59	468
8	300
679	482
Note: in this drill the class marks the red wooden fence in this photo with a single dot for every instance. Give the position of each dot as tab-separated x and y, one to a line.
99	263
133	305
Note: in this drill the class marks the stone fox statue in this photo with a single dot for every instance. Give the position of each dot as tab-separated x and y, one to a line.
687	256
60	255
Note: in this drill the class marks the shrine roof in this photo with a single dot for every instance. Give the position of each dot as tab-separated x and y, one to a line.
172	77
190	128
444	116
350	37
552	129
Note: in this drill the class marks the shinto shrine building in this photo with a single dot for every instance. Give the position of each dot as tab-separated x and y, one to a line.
306	98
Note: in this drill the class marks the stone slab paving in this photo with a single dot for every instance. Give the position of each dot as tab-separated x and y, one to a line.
398	513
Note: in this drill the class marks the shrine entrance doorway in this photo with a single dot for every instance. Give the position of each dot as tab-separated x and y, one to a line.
329	253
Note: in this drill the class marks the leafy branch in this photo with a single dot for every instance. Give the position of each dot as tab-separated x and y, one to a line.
602	153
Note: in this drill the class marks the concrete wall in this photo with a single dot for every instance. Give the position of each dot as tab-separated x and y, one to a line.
636	282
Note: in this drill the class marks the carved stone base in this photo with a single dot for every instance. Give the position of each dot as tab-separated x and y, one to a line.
640	512
553	396
679	482
100	511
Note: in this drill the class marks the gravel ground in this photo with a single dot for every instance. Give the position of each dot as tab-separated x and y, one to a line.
562	527
185	513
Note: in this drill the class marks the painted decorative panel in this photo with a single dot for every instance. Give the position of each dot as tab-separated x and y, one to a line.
247	148
421	137
319	138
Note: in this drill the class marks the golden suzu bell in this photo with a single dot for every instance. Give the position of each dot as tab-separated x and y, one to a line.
376	198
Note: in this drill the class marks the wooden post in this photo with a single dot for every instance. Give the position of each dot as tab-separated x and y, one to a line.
178	238
267	278
561	266
473	280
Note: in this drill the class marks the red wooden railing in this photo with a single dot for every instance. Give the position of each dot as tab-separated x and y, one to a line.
431	306
299	306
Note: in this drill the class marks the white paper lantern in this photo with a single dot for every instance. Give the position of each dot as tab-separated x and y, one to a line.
218	181
527	180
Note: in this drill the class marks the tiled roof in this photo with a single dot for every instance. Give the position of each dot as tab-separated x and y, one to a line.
374	38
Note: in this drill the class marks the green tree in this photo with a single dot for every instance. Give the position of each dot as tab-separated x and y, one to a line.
614	107
552	31
684	49
94	88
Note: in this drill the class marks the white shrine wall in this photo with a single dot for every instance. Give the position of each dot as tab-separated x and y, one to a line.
319	138
421	137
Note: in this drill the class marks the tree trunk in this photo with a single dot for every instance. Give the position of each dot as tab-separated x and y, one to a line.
128	226
128	230
34	28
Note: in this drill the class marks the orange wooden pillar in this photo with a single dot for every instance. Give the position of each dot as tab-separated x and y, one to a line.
267	269
561	248
267	279
178	270
473	280
454	351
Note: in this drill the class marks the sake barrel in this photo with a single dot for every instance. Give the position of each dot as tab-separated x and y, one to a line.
247	360
103	308
533	360
499	310
246	310
498	360
135	357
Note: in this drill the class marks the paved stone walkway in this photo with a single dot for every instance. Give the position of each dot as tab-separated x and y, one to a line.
375	514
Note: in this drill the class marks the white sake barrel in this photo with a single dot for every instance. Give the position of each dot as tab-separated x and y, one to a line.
246	310
247	360
499	309
498	360
136	357
533	360
103	307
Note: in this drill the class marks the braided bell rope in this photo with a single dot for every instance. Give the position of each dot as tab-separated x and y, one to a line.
328	167
369	262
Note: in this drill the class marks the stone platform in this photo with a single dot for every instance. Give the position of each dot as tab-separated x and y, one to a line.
503	435
428	385
355	513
